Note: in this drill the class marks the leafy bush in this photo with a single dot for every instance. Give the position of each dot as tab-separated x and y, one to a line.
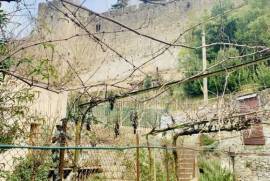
29	168
206	140
211	143
263	75
211	170
147	82
8	133
13	109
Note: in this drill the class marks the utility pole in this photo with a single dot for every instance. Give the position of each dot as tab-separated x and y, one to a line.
205	88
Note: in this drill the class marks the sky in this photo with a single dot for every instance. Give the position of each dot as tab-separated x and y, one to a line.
21	22
95	5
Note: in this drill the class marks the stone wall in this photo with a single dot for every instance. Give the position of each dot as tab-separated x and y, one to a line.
252	167
251	162
162	22
96	63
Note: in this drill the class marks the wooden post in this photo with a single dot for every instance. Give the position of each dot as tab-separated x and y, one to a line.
232	156
194	168
175	155
150	157
137	149
167	163
33	137
137	158
62	151
154	165
77	143
33	133
119	113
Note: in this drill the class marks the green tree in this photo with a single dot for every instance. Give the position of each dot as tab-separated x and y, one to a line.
263	75
249	26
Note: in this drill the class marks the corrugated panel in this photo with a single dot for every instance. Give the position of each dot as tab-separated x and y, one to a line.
250	104
254	135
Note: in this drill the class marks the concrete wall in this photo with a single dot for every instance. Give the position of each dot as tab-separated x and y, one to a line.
49	105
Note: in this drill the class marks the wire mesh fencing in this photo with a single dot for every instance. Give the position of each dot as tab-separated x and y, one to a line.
86	163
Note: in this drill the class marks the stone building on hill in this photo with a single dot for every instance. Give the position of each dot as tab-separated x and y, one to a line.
96	62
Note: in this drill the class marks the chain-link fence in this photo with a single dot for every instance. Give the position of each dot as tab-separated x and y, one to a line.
133	157
92	163
112	147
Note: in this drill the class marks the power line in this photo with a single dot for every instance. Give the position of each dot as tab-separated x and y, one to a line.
181	81
126	27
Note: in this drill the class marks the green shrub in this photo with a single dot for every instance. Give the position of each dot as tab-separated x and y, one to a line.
147	82
206	140
27	166
211	170
263	75
209	142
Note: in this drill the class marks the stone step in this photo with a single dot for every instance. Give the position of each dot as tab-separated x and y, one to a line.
113	168
187	152
186	169
185	179
186	175
186	160
186	164
187	156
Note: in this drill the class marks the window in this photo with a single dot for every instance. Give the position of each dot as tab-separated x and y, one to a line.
188	5
98	27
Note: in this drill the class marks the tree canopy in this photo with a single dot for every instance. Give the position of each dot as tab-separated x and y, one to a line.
248	26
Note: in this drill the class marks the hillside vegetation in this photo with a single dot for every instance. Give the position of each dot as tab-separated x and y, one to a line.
248	26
